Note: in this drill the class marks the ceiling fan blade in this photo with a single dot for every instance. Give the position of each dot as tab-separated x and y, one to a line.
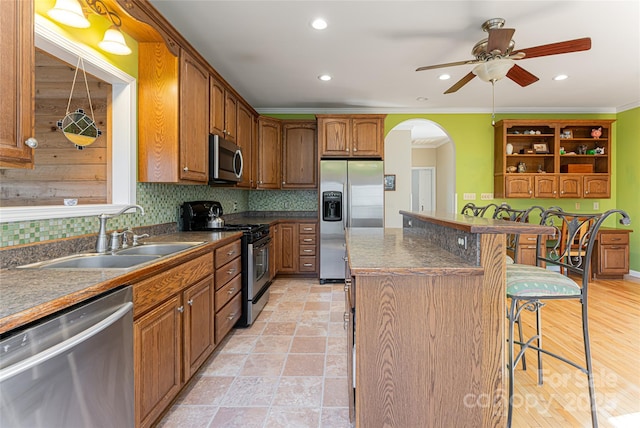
449	64
568	46
499	39
521	76
460	83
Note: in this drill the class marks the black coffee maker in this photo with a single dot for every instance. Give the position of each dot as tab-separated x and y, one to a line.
196	215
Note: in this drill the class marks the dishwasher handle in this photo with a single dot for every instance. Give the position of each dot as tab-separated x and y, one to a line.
58	349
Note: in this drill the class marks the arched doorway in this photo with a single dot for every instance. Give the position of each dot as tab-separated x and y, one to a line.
419	150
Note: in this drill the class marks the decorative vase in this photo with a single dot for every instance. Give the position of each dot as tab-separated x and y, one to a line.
509	148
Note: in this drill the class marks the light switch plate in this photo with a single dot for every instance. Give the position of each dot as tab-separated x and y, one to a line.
469	196
486	196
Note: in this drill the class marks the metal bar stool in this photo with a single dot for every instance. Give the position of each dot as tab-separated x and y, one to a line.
477	211
531	287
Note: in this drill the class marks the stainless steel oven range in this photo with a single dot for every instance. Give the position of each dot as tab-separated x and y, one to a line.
196	216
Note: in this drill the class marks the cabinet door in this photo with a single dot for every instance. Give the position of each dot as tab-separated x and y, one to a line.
157	339
268	154
367	137
570	186
335	136
518	186
199	331
194	120
289	249
230	113
597	187
17	84
245	140
614	259
546	186
299	156
216	107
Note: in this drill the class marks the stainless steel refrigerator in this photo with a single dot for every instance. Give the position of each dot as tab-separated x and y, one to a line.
351	195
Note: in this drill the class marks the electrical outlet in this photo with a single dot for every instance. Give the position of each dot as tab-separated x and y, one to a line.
462	242
285	205
486	196
596	205
469	196
235	206
577	205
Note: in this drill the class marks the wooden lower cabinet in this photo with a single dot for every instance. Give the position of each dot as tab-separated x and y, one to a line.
180	315
298	248
611	253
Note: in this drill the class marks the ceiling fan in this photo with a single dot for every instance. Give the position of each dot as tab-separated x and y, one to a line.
495	56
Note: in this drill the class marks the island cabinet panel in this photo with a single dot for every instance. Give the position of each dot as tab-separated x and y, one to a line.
417	343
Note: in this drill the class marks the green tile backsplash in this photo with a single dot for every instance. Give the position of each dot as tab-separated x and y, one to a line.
161	203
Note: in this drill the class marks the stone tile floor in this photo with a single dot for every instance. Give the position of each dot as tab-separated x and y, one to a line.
289	369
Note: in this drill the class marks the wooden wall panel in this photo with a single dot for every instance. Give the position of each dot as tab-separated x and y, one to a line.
61	170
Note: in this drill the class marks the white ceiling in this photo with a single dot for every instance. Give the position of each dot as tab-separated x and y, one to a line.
269	53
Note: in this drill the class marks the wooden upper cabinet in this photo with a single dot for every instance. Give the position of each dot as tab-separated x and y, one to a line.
246	141
223	105
596	186
17	85
194	119
269	146
299	155
570	186
173	116
347	136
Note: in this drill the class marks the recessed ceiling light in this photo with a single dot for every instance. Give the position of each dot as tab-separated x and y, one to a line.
319	24
422	99
444	77
561	77
324	77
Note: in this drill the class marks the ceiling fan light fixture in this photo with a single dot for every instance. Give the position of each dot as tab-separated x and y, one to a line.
561	77
492	70
324	77
444	77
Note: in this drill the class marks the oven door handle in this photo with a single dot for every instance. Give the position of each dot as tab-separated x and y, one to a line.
263	242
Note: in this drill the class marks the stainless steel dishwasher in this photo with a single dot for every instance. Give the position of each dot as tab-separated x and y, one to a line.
74	369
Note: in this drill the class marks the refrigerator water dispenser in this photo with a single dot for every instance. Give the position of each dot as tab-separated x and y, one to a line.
332	206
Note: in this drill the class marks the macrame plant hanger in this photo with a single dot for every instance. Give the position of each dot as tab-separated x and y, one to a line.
77	127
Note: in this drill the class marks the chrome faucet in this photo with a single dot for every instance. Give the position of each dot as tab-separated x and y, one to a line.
102	242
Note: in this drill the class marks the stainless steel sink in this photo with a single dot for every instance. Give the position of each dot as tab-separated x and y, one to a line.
93	261
158	248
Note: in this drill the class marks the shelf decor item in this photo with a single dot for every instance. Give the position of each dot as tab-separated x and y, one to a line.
541	148
509	148
596	133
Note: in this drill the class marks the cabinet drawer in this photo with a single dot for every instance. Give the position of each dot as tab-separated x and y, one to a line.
228	271
152	291
307	228
226	293
307	250
527	239
614	238
227	253
307	264
307	239
228	316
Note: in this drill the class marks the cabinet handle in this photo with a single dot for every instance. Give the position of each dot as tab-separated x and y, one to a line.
181	309
347	149
284	182
562	192
190	302
615	239
185	169
308	264
231	253
355	149
308	240
615	247
231	290
530	191
307	228
347	285
307	251
231	316
345	317
31	142
586	192
231	271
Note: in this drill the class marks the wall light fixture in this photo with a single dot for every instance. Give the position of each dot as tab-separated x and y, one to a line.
69	12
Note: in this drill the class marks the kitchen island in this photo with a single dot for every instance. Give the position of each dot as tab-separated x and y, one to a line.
426	309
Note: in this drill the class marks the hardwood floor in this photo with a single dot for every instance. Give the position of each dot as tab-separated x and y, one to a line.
563	399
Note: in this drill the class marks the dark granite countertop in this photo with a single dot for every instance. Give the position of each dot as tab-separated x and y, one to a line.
270	217
29	294
375	251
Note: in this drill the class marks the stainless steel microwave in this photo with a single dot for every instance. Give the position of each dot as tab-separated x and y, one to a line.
225	161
